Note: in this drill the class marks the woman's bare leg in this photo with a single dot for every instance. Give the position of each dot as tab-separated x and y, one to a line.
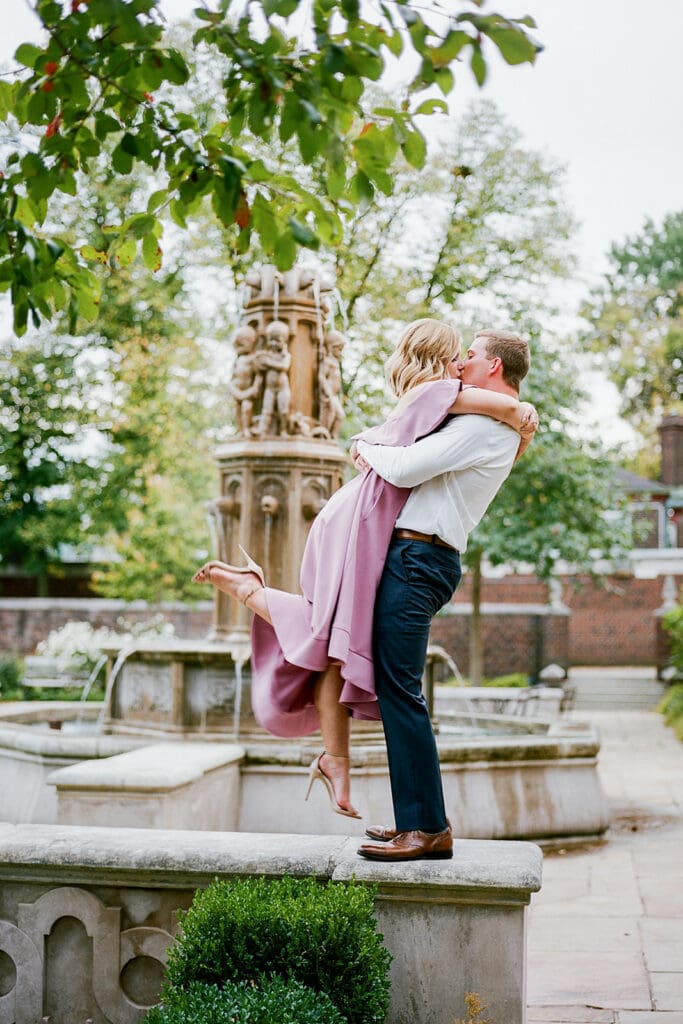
335	728
334	718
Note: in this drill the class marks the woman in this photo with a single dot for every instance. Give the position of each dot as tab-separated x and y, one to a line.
312	653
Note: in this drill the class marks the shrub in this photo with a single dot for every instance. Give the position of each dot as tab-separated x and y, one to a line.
10	679
514	679
324	936
673	624
270	1001
671	706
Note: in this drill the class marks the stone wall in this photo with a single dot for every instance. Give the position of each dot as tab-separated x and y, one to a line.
87	916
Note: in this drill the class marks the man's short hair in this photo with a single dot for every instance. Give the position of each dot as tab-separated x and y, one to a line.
513	353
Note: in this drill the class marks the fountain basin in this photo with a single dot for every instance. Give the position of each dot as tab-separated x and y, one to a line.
539	781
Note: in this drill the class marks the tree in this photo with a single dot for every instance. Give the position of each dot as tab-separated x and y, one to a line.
488	233
43	408
636	318
129	396
92	84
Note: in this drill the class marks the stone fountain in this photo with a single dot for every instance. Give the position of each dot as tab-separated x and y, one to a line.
274	477
503	776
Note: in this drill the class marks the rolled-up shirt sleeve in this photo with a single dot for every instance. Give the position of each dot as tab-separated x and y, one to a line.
438	453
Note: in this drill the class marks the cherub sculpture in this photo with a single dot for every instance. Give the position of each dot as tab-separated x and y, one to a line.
330	384
246	382
274	361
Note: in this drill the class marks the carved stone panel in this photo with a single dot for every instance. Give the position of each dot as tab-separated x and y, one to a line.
66	961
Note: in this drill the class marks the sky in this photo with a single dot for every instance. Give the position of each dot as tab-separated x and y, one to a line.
604	99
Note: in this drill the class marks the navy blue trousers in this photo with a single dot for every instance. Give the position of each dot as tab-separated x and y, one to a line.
418	579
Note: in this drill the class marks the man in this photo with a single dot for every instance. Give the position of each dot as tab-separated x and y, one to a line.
454	475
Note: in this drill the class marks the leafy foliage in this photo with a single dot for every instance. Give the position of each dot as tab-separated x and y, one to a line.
92	84
497	238
673	624
10	678
637	322
267	1001
43	410
324	936
671	706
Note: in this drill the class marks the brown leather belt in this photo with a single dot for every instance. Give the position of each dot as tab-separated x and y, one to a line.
428	538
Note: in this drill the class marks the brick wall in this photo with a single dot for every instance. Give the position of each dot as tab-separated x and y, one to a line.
515	639
24	622
612	625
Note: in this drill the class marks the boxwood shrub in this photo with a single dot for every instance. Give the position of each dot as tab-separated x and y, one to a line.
268	1001
323	936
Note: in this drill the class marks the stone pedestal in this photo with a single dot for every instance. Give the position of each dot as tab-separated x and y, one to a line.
180	687
270	492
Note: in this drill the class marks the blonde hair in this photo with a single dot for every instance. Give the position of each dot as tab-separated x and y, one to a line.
512	351
423	353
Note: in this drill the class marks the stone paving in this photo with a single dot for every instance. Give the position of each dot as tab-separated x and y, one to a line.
606	930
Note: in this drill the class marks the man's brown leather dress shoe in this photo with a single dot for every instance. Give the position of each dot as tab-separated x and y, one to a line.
412	846
381	833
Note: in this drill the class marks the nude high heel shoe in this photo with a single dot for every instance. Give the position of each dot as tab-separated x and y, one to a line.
316	773
202	575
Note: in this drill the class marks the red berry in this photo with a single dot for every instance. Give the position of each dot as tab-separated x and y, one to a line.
53	127
47	86
148	96
51	67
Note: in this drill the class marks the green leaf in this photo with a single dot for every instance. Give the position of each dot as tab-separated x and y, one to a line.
177	211
27	54
449	49
156	200
152	253
285	251
282	7
335	179
478	65
122	162
430	106
445	80
515	47
415	149
303	234
89	252
125	252
7	98
264	222
140	224
87	290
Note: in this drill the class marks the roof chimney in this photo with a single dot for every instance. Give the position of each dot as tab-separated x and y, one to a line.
671	432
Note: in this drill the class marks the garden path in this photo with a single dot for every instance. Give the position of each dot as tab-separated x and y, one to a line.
606	930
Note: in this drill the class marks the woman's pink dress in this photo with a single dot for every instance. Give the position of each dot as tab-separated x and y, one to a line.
340	572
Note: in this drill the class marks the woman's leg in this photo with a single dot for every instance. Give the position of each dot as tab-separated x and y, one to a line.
334	718
335	761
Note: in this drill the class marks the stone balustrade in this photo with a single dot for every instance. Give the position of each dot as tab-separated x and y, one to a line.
87	915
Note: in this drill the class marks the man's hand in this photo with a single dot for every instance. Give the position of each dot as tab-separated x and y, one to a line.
357	459
529	424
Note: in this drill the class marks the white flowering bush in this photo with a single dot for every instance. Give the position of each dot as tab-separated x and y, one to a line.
77	646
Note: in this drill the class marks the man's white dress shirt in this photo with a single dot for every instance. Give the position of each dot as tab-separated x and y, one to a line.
455	474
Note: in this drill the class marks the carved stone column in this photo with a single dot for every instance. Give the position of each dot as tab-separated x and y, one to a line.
276	475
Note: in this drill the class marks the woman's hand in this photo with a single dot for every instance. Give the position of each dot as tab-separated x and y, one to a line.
357	459
529	424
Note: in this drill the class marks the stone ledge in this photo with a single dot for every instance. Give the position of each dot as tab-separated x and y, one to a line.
482	871
161	767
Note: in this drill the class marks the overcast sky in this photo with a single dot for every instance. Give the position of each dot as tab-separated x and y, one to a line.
604	99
